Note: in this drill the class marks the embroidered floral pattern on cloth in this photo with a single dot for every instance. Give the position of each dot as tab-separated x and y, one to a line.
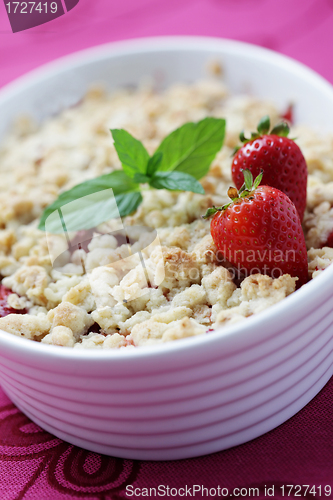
36	465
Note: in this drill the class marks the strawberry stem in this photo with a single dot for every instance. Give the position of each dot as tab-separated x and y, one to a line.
247	189
242	137
212	211
258	180
264	125
282	129
248	179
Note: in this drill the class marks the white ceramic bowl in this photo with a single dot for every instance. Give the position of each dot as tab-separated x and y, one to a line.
197	395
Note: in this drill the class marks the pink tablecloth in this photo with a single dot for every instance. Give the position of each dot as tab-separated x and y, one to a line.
34	464
302	29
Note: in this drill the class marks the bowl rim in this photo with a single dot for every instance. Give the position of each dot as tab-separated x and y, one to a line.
157	44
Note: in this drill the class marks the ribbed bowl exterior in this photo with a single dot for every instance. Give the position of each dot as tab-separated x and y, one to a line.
181	403
187	398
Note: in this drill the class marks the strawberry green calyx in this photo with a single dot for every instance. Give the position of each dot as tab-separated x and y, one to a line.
212	211
264	125
281	129
249	185
246	190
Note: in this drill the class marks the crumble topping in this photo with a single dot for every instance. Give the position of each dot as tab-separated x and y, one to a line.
185	289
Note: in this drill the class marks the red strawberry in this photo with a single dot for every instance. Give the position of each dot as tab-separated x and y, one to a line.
5	309
289	114
280	159
260	231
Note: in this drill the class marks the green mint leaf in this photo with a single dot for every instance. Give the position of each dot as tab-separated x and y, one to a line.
248	179
176	181
141	178
127	203
131	152
282	129
154	163
92	210
264	125
192	147
118	181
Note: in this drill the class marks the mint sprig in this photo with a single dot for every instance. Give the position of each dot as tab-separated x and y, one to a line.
182	158
131	152
192	147
86	213
176	181
154	163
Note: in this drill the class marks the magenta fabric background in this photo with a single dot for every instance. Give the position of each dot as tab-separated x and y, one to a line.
34	464
302	29
37	466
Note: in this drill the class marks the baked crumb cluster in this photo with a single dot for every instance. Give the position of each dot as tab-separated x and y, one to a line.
100	297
